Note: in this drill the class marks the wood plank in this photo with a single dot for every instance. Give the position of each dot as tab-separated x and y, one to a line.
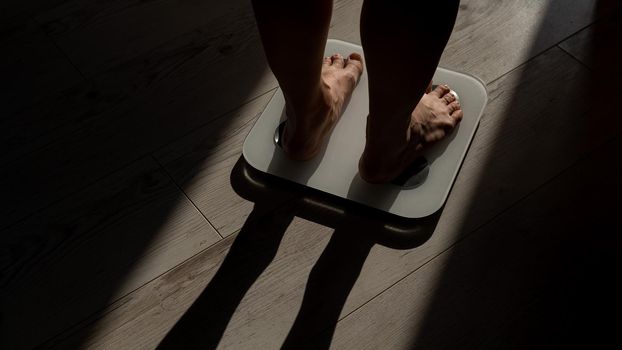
538	116
159	304
491	38
192	60
35	73
111	141
72	260
201	164
531	278
594	46
210	51
87	30
32	66
189	90
99	36
119	86
581	45
14	11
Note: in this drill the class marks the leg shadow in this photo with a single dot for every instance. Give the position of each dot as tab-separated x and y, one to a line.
357	230
254	248
328	287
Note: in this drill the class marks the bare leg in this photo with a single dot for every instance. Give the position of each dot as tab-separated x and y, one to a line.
403	45
294	34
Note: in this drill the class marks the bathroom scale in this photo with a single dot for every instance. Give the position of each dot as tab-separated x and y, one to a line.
418	192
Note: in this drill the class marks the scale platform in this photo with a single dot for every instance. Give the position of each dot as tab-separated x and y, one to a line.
335	169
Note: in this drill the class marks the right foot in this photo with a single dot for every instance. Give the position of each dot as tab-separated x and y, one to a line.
434	117
308	127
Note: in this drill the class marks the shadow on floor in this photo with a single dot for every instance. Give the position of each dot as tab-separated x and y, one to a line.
277	202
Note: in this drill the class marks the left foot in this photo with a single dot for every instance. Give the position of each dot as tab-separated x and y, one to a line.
303	138
435	116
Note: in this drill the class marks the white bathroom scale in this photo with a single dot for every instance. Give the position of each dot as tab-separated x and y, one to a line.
334	170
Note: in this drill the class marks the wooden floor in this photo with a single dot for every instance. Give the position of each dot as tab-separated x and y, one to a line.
127	204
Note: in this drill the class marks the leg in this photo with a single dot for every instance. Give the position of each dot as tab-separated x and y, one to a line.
403	45
294	34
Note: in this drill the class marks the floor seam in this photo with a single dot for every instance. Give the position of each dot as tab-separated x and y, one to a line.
181	190
575	58
39	27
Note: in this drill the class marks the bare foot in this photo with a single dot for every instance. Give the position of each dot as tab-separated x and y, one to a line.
307	128
434	117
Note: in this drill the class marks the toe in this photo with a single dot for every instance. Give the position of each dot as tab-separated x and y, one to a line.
327	61
441	91
356	56
449	98
338	60
457	115
453	106
355	63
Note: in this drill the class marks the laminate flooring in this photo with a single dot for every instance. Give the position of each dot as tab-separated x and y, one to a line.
130	219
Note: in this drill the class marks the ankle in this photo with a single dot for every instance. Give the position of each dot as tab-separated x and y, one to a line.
304	112
379	162
375	171
386	133
385	147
